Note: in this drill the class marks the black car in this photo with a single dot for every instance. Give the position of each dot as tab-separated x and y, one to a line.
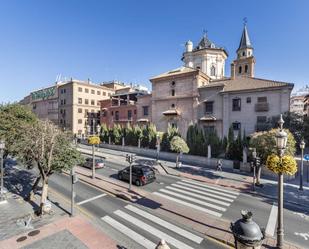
141	175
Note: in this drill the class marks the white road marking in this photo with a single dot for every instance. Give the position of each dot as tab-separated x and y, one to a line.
129	232
202	192
193	200
212	187
271	224
207	190
208	211
90	199
303	216
165	224
199	196
152	230
304	235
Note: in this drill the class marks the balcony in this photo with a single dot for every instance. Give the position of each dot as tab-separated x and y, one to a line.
122	119
262	107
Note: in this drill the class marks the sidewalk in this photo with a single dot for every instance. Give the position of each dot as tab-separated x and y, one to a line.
67	232
20	228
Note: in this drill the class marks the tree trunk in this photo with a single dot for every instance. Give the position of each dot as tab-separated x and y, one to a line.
177	159
30	196
43	208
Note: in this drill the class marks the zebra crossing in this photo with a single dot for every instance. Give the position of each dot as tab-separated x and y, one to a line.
200	196
147	229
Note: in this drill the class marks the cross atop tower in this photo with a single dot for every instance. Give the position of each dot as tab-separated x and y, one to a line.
205	31
245	21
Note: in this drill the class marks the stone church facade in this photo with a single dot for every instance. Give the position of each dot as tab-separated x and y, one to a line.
199	92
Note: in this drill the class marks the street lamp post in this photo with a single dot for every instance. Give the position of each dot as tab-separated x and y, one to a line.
302	147
254	166
93	156
2	146
98	133
74	180
281	140
158	147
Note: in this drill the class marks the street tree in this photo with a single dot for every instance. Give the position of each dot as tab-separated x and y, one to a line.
179	146
42	144
265	144
172	131
138	135
12	117
104	133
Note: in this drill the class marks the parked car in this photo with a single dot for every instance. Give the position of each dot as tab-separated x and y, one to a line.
99	163
141	175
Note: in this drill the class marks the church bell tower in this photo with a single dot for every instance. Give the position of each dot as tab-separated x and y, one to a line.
245	62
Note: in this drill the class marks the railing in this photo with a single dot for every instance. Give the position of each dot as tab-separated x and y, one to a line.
122	119
262	126
262	107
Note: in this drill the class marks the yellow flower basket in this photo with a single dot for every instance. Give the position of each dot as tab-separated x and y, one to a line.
287	166
94	140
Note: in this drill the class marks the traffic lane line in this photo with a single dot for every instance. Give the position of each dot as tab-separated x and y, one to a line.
272	221
68	202
90	199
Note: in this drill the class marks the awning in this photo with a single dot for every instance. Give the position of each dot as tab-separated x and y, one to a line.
208	118
170	112
145	120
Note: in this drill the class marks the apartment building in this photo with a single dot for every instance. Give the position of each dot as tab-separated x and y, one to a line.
79	105
44	103
122	107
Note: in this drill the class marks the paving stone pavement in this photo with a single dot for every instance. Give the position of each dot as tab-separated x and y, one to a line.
63	239
12	213
16	212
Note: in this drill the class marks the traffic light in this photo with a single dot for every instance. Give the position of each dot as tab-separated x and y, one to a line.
132	158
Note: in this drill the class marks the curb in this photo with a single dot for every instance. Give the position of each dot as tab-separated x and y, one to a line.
225	242
90	154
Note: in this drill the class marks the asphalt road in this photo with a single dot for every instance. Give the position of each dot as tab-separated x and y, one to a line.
132	226
296	218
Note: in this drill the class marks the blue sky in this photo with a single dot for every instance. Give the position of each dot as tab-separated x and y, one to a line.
134	40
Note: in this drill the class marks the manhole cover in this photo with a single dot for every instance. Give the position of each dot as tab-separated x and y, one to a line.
33	233
20	239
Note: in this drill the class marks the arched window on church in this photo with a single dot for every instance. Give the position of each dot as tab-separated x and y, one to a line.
246	68
239	69
213	71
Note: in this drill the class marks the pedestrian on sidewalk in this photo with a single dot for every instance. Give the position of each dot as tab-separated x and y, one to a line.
219	165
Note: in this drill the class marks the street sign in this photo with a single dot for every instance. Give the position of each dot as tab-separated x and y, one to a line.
306	157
